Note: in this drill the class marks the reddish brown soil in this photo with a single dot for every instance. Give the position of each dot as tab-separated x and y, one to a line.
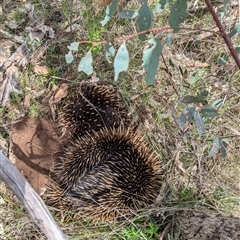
35	146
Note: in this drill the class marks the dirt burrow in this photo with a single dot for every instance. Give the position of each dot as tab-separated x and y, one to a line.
36	146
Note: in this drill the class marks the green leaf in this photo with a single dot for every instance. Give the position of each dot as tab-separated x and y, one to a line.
183	118
171	62
199	123
69	57
190	99
109	51
218	103
128	14
218	143
223	148
238	49
151	59
186	115
168	39
202	94
73	46
109	12
191	111
121	60
193	78
235	31
178	14
223	60
215	147
85	64
209	111
161	6
223	10
144	20
183	73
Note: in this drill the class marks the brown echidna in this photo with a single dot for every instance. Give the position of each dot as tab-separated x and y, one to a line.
90	108
106	174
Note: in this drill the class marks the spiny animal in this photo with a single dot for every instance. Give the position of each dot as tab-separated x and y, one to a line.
106	174
92	107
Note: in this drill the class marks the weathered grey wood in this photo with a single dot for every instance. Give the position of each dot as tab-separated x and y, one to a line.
29	198
203	226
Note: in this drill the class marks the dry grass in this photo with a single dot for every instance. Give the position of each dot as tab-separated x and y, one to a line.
193	179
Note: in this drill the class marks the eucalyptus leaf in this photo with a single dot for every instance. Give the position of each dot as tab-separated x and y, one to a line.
109	12
223	148
168	39
85	64
203	94
178	14
218	103
191	111
151	59
128	14
199	123
235	31
215	147
144	20
109	51
73	46
183	118
209	111
190	99
69	57
121	60
161	6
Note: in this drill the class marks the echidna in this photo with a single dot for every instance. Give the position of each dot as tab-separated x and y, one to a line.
92	107
106	174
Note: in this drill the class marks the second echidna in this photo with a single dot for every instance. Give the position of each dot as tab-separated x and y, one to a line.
90	108
106	174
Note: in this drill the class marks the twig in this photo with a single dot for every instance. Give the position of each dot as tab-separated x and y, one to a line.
162	28
223	33
169	75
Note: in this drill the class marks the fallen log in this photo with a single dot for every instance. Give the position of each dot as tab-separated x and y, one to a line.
206	226
30	199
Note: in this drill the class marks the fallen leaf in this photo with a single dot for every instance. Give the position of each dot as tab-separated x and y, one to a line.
8	83
94	78
41	70
61	93
26	102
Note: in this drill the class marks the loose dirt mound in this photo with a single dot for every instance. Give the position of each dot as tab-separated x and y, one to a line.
35	146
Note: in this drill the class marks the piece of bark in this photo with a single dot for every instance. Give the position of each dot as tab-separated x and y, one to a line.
202	226
30	199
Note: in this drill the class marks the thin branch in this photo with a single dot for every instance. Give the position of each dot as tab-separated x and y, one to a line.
169	75
162	28
223	33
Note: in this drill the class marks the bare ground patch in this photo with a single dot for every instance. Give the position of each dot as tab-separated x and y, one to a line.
36	146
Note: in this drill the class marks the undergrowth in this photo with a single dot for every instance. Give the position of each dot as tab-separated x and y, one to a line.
193	179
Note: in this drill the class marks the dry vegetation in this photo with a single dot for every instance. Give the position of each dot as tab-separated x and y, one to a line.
193	180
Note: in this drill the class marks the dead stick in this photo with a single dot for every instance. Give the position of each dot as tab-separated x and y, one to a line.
223	33
29	198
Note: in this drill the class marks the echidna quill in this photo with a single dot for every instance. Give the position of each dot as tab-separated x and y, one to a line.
92	107
106	174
